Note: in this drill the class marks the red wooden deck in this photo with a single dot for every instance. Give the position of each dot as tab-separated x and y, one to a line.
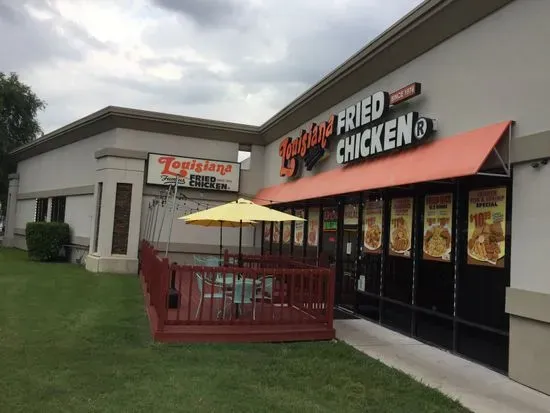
296	305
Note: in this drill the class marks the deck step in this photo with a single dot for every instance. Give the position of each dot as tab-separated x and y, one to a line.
243	333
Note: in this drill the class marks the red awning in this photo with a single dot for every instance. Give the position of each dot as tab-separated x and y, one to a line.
460	155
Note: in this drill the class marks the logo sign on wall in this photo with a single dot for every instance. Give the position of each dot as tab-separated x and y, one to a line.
193	173
367	132
362	130
309	147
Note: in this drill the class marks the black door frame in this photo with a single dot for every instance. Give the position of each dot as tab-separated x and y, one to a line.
340	301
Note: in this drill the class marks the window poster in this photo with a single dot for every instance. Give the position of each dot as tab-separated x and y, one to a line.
330	219
401	227
267	231
313	228
287	229
299	228
351	216
276	232
373	226
438	227
487	227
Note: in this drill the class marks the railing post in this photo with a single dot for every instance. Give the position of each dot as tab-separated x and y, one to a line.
173	294
330	299
163	284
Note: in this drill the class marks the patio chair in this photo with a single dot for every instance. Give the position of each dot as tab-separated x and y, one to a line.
243	293
201	283
247	291
267	292
207	261
212	261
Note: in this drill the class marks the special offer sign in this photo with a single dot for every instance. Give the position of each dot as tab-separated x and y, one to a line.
193	173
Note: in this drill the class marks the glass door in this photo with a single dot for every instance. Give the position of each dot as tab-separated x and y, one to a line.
397	282
299	235
286	236
312	231
329	233
370	257
435	275
347	290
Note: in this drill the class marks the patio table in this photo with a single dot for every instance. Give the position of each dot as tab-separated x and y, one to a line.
245	290
243	293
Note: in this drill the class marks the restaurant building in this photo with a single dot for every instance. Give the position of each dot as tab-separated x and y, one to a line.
420	165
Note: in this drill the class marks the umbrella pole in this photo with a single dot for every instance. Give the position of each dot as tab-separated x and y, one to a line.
155	216
173	214
164	207
241	244
221	241
146	230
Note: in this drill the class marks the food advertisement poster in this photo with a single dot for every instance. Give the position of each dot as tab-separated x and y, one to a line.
299	228
438	227
287	229
313	228
351	216
487	227
267	231
372	226
276	232
401	227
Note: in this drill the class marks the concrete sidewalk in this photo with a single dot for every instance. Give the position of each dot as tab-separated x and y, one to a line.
476	387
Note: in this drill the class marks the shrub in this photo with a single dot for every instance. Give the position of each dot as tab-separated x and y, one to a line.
45	239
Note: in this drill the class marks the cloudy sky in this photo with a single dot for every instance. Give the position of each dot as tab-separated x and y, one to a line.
233	60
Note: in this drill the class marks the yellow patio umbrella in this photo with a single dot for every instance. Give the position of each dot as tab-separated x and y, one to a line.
221	225
240	212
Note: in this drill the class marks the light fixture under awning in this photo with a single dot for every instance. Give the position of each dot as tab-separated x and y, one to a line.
460	155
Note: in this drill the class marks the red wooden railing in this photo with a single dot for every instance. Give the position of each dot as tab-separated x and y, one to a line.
269	261
156	275
265	290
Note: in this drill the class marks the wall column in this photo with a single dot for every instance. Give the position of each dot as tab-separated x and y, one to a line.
11	210
116	222
528	297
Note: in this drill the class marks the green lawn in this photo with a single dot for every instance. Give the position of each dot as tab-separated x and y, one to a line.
74	342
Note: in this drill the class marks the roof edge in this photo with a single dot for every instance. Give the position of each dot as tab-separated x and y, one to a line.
128	113
116	116
363	54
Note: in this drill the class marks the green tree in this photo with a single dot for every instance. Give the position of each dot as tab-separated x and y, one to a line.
19	107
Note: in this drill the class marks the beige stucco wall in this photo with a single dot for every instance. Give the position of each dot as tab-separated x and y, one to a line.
530	228
25	212
187	237
66	167
75	166
529	337
191	238
252	180
490	72
176	145
79	212
529	361
528	298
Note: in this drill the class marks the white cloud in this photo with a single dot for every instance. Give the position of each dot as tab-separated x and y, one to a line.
233	60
